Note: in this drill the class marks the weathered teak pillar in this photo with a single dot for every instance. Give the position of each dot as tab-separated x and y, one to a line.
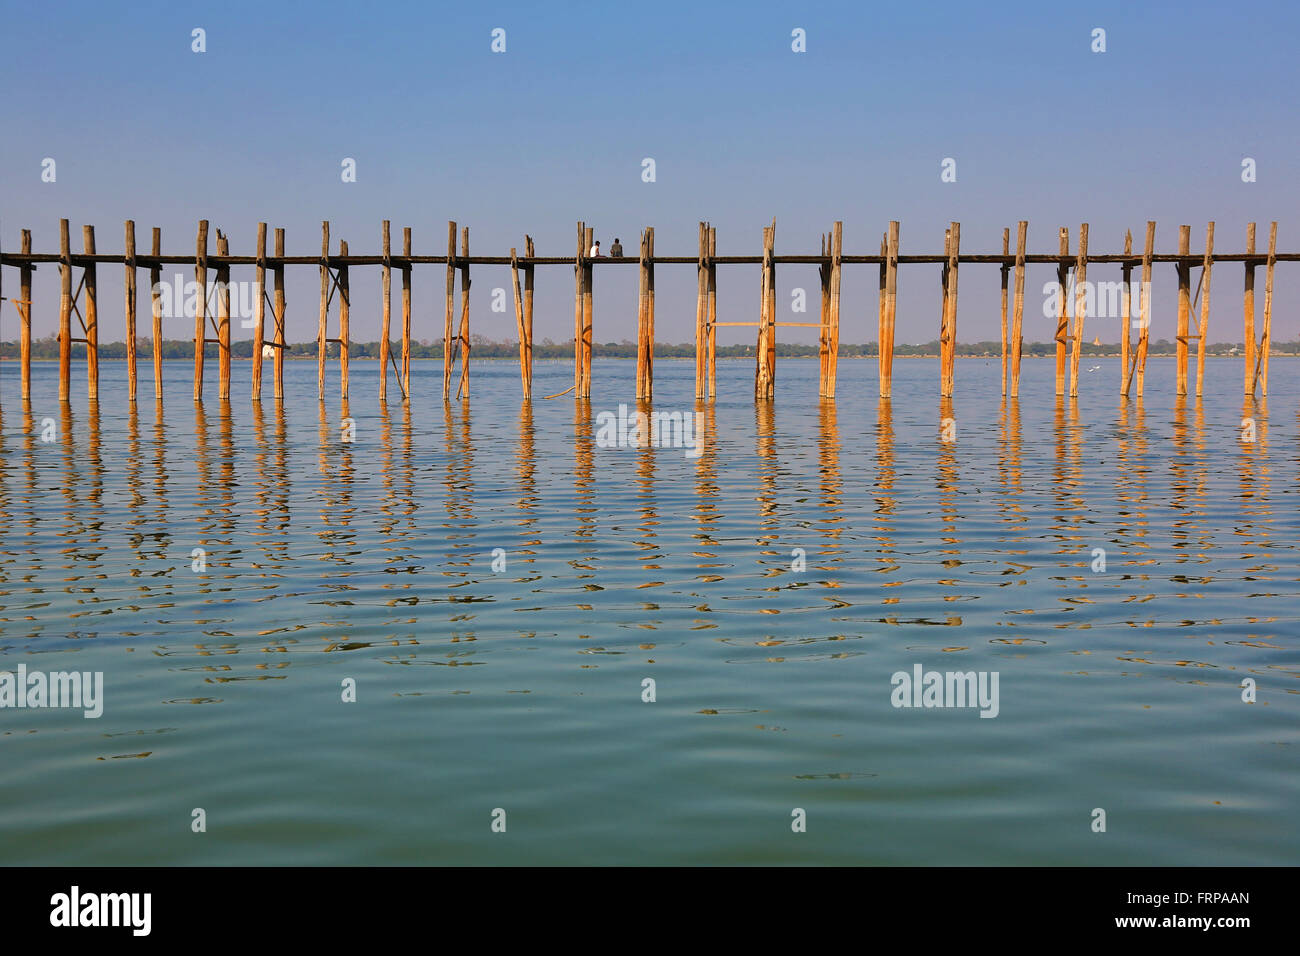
447	340
91	318
701	308
1248	301
765	364
1144	308
833	355
1018	307
1126	316
201	305
1184	309
713	314
1080	307
322	327
588	283
406	312
771	310
886	344
462	387
761	385
259	311
530	252
128	287
948	333
278	304
1063	307
155	305
579	279
643	386
1265	342
25	316
823	323
1006	271
880	311
386	308
345	320
1204	327
525	384
223	319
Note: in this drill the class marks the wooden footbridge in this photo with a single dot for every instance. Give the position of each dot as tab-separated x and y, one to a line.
80	299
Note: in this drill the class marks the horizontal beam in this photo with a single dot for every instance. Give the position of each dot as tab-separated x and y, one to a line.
18	259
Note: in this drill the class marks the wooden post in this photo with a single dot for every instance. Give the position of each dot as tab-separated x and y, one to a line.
948	335
223	320
837	252
587	284
25	316
65	313
643	286
259	311
345	321
1018	307
451	310
1080	307
886	345
713	314
155	301
649	316
528	308
1006	271
462	387
1204	328
1126	316
882	281
701	307
406	312
760	352
771	311
1248	301
88	274
1062	315
386	309
322	328
1266	340
1144	308
129	306
519	322
1184	309
579	278
200	310
278	304
823	329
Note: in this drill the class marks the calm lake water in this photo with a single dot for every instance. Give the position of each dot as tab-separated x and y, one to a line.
521	689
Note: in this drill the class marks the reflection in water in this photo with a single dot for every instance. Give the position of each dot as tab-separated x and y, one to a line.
828	466
645	493
976	549
885	502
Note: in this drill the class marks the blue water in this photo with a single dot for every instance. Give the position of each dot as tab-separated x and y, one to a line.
522	689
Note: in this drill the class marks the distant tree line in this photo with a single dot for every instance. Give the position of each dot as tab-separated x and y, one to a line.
481	347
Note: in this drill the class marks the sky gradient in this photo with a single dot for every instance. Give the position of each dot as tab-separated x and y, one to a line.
741	129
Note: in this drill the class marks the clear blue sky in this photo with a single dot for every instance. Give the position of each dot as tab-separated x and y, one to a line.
741	128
